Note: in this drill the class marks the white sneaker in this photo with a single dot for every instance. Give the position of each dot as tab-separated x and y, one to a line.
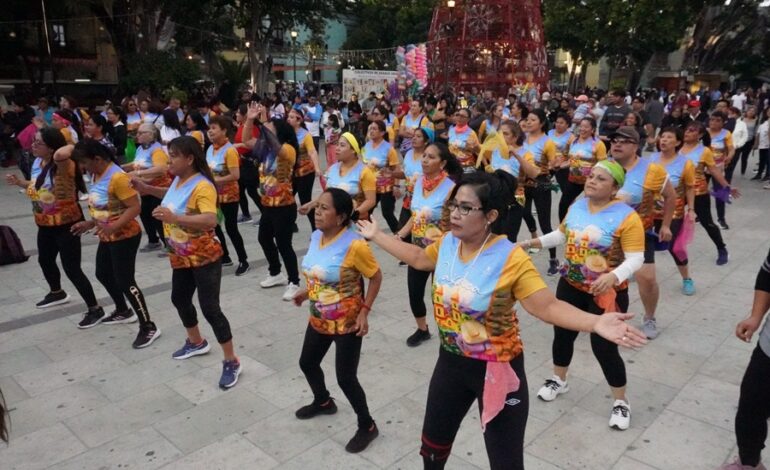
552	388
620	418
272	281
650	328
290	292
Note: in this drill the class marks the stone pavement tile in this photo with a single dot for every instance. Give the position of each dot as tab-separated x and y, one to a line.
710	400
413	460
145	449
48	409
231	452
129	380
55	375
40	449
328	454
102	425
282	436
533	463
469	442
388	382
676	441
535	427
289	386
627	463
121	337
573	441
400	425
35	334
664	365
80	342
22	359
202	385
551	411
214	419
728	363
279	354
647	399
12	392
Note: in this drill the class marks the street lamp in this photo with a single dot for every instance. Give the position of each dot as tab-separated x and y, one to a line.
447	29
294	53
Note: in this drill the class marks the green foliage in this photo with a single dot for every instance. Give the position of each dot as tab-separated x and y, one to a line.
386	23
160	71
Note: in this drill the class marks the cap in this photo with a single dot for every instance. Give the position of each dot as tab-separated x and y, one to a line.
582	98
694	104
628	132
545	96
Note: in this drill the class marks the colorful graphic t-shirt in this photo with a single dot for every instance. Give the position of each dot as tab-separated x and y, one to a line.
720	143
562	143
487	129
583	155
275	177
221	160
643	189
105	202
55	202
150	157
356	182
543	152
188	247
702	158
412	171
430	219
198	135
305	164
510	165
460	144
473	298
681	173
333	273
378	158
596	241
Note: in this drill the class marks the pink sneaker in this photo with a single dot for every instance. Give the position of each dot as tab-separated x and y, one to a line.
737	465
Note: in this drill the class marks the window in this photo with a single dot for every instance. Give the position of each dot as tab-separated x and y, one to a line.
58	35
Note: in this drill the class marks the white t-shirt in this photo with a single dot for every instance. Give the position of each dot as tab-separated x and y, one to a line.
314	127
739	101
763	133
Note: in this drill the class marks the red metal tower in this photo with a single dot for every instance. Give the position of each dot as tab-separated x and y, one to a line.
492	44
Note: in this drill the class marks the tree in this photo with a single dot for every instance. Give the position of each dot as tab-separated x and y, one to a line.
159	71
387	23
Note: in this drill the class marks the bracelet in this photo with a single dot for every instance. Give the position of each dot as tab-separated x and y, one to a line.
366	307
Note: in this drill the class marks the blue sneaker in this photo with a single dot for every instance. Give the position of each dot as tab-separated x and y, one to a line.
230	372
688	287
190	350
722	257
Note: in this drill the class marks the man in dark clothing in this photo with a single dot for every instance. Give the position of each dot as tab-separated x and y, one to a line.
478	114
697	113
614	116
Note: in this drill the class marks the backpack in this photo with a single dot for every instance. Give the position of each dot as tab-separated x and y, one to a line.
11	250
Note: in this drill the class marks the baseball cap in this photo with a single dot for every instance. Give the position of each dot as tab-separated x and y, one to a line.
545	96
627	132
582	98
694	104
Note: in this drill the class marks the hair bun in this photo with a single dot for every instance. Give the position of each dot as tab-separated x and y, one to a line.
355	215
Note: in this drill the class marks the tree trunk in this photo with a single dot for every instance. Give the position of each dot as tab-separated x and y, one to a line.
572	76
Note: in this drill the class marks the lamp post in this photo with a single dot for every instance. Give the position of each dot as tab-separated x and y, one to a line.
294	54
447	29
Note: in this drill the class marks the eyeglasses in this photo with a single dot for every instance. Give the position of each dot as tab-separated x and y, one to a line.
463	209
622	142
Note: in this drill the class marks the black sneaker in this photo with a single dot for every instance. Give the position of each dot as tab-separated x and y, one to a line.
724	225
243	268
314	409
362	439
53	298
553	267
417	338
146	336
118	318
92	318
226	261
150	247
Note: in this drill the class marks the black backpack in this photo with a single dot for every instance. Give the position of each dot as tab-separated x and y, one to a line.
11	249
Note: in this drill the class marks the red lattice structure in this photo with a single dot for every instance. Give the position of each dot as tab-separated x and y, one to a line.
492	44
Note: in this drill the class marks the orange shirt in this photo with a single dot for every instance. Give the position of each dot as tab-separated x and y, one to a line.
55	202
221	160
275	178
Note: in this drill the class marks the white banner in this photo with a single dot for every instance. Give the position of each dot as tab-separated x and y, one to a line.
363	82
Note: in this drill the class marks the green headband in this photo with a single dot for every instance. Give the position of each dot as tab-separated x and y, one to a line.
614	169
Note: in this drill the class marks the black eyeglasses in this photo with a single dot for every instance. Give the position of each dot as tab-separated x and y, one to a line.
622	141
463	209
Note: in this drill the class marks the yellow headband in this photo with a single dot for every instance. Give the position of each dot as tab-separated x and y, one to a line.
352	141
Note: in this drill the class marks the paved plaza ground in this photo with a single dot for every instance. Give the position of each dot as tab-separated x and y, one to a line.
87	400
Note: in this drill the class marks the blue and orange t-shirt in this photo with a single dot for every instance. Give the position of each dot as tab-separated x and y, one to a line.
543	152
430	218
643	189
379	158
153	156
703	158
55	202
503	160
356	181
221	160
106	202
597	240
188	247
334	274
562	142
275	178
473	298
460	144
305	164
681	173
720	145
583	155
412	172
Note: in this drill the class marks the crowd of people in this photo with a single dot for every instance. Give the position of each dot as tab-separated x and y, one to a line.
633	174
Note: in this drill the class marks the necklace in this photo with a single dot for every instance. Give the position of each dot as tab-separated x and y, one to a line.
452	278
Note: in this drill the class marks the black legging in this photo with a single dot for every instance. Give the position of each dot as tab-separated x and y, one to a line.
513	221
388	209
741	154
541	195
562	177
456	383
764	163
115	266
248	186
207	280
569	193
703	211
58	240
303	185
720	204
753	409
416	281
314	348
152	226
606	352
230	211
277	226
676	228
